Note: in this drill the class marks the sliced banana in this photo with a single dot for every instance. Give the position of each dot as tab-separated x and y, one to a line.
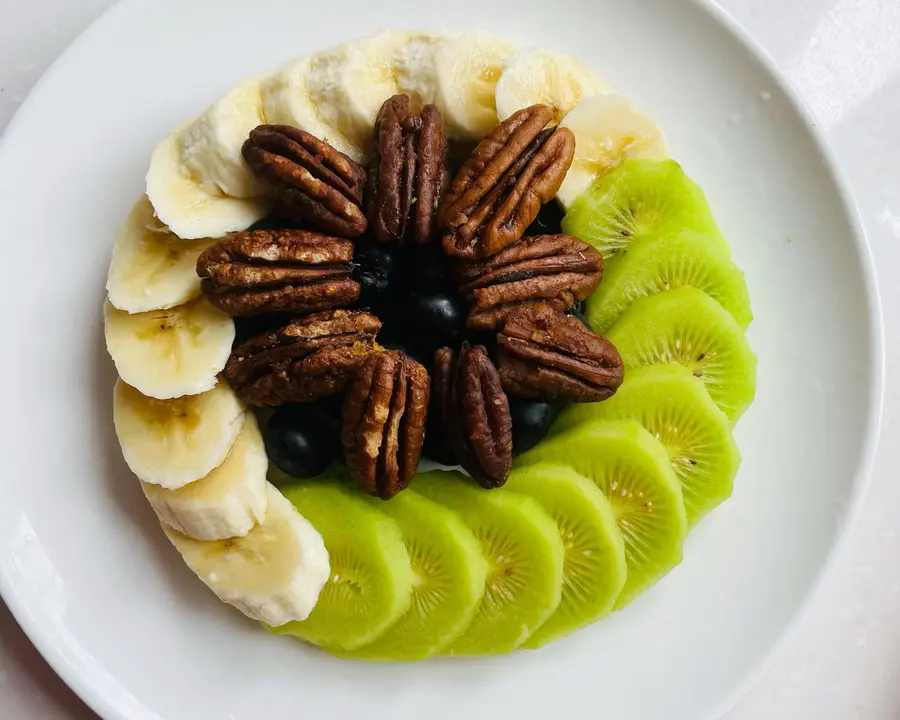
210	145
175	442
169	353
152	269
608	129
286	101
467	70
274	574
226	503
350	82
188	210
415	66
531	76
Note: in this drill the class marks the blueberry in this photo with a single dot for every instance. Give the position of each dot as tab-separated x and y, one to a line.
427	268
248	327
436	447
378	271
272	222
429	321
548	221
531	421
299	442
577	311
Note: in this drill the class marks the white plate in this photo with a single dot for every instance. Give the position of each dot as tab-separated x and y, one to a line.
94	583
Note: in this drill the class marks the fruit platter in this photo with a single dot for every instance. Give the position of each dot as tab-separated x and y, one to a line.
427	346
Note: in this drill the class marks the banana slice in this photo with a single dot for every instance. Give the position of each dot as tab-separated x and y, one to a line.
286	101
228	502
415	66
210	145
274	574
174	442
152	269
169	353
467	70
350	82
188	210
608	129
532	76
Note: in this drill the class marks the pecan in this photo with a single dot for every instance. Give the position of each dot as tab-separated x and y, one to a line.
278	271
383	429
556	268
314	183
308	359
517	168
545	354
408	174
475	413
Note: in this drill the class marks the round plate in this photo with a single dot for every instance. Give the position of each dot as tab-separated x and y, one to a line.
95	584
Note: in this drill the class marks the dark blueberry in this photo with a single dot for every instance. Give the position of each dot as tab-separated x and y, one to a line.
436	447
430	321
391	339
248	327
531	421
377	269
272	222
299	442
578	311
427	268
548	221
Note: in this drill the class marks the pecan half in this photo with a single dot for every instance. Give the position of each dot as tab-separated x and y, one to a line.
308	359
517	168
475	413
556	268
278	271
383	429
545	354
408	174
314	183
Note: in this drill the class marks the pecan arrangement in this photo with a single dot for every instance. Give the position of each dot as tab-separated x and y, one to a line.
517	289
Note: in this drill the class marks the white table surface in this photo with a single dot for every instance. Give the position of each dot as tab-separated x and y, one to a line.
843	660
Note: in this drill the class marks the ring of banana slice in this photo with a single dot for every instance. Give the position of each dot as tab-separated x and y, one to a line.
197	451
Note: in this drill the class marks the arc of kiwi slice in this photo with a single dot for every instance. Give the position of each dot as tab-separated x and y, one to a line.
668	262
676	409
687	326
524	555
371	581
634	473
639	199
594	569
449	573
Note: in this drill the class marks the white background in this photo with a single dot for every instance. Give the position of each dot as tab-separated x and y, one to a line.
843	56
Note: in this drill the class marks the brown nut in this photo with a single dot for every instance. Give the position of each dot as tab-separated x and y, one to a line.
278	271
517	168
545	354
556	268
308	359
475	413
383	429
314	183
408	173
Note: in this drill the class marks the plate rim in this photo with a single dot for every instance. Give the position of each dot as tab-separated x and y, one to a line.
862	478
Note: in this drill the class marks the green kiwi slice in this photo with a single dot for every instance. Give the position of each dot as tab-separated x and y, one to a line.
371	581
675	407
594	570
449	572
687	326
524	555
639	199
668	262
634	473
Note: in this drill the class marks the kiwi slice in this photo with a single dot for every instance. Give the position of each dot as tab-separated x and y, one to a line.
371	581
667	262
634	473
524	556
449	572
675	407
639	199
687	326
594	562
